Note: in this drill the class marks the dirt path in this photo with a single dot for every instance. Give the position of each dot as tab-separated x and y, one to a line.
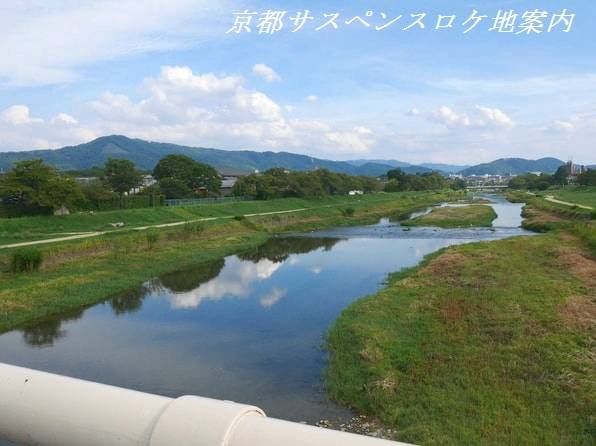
552	199
83	235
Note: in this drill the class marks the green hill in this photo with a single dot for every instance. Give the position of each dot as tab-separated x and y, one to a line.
516	166
146	154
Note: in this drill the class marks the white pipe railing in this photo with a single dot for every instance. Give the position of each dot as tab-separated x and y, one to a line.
43	409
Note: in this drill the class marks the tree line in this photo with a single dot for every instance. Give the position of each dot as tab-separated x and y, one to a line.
399	181
280	183
559	178
33	187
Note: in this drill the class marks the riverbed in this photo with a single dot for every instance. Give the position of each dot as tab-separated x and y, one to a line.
249	327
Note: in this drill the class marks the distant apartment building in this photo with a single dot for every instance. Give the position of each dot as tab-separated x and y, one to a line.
573	171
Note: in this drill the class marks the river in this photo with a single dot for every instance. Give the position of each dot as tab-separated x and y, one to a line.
249	327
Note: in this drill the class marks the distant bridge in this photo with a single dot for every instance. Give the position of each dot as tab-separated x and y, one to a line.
487	187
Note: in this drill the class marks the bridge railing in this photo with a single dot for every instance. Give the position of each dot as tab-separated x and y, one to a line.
38	408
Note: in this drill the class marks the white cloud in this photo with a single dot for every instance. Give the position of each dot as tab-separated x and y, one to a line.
235	281
197	109
486	117
273	297
446	116
18	115
559	126
290	108
357	141
413	112
496	117
312	98
21	130
64	119
267	73
49	42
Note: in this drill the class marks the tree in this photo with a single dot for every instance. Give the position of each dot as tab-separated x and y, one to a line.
34	184
61	191
561	175
458	184
399	175
185	170
174	188
96	192
122	175
587	178
392	186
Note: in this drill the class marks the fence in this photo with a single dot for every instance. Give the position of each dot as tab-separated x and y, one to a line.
43	409
211	200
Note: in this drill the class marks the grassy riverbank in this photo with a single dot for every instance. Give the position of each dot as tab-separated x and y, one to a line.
455	216
80	273
25	229
488	343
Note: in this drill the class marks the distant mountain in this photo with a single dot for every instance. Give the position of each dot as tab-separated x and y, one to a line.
146	154
516	166
447	168
392	163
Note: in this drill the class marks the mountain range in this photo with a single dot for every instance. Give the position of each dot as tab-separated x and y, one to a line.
146	154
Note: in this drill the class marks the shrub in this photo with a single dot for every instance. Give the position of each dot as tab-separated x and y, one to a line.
190	229
152	238
26	260
348	212
239	217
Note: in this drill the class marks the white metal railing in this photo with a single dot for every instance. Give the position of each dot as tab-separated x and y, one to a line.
38	408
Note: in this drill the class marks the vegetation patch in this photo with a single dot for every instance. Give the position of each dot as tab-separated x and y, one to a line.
455	216
25	260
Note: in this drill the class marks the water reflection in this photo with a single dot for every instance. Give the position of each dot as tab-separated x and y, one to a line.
190	278
129	301
279	249
234	277
45	332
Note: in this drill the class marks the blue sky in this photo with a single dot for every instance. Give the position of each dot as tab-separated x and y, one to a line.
166	70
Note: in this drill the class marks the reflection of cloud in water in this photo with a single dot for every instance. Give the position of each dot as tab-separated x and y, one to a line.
273	297
316	269
233	281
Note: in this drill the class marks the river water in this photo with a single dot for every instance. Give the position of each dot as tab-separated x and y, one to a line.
249	327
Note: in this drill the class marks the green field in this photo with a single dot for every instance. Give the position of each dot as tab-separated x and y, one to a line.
455	216
79	273
490	343
584	195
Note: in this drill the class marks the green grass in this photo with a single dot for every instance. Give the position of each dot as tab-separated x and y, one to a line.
35	228
584	195
456	216
488	343
79	273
